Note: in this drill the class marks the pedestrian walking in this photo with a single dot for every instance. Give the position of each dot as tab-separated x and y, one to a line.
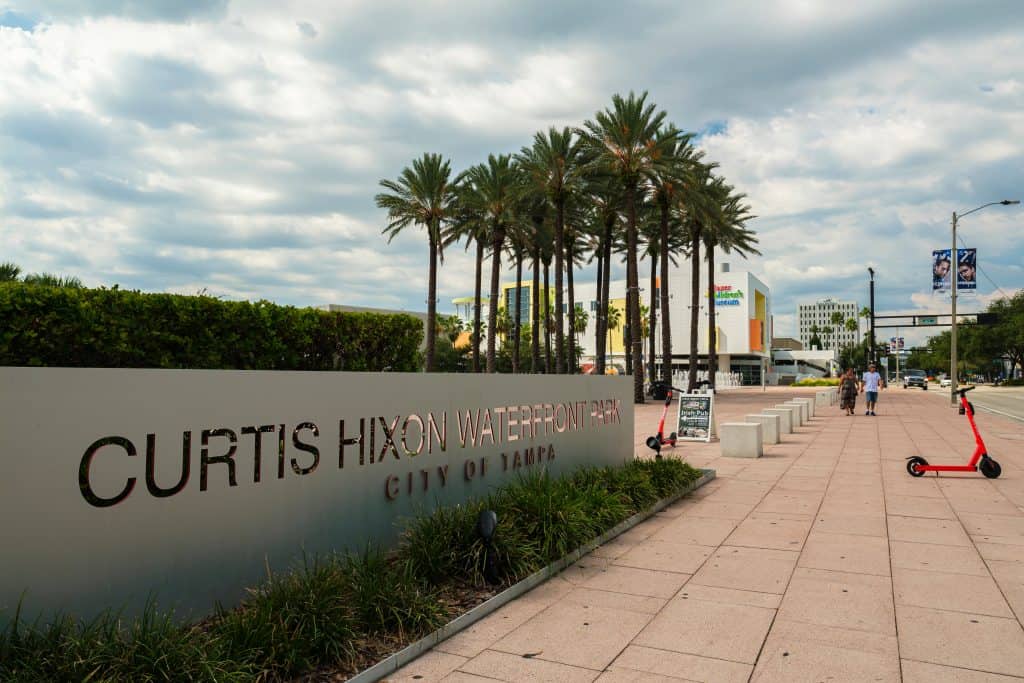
870	384
848	391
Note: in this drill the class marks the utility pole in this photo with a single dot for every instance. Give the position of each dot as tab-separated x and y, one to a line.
954	264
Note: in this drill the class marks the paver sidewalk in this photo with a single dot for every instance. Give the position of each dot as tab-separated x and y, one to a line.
823	560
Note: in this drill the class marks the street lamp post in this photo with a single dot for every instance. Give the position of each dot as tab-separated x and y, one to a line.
954	264
871	330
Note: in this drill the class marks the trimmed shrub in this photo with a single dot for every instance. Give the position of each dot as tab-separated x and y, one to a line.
112	328
346	611
817	382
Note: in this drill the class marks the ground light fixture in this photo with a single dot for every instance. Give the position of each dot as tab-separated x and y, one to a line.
486	525
953	282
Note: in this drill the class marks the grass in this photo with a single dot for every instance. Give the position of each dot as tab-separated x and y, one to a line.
344	611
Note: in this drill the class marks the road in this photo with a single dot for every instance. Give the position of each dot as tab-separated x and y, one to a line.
1005	401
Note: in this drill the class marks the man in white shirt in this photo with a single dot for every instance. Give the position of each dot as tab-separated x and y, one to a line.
870	384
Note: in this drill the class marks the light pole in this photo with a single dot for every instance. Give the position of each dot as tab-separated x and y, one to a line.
954	263
871	330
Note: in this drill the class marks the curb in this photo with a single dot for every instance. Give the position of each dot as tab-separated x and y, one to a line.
411	652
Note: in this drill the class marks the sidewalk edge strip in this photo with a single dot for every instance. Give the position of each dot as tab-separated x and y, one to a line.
411	652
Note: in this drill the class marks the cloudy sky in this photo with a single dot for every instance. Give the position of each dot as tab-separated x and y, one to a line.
236	146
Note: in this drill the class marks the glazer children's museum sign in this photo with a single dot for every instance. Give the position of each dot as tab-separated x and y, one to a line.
189	484
725	295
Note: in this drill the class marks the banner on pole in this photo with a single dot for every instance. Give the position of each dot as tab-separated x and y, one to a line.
940	270
966	269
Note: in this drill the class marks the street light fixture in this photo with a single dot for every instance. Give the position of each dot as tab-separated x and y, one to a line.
953	284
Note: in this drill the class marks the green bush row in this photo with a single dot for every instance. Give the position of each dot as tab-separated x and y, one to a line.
52	326
337	611
817	382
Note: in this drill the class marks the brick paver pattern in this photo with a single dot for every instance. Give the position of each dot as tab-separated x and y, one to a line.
822	560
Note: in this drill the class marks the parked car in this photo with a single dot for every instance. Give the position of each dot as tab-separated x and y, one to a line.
946	382
915	378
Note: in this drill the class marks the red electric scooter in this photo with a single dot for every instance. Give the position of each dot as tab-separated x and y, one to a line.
980	462
656	442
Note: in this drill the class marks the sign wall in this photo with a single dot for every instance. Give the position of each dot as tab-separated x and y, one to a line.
189	484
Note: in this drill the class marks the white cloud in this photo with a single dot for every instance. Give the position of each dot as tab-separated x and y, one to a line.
238	147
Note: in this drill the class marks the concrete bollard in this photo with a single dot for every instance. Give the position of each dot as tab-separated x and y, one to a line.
785	418
769	427
799	418
809	404
741	439
822	399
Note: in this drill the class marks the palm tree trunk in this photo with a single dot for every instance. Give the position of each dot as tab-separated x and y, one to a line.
599	316
666	330
476	303
432	305
712	320
627	337
633	295
547	317
518	320
559	262
570	362
652	366
606	285
492	313
535	314
694	306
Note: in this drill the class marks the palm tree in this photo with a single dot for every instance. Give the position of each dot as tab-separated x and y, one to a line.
827	331
422	196
605	203
614	318
468	224
700	209
538	238
519	243
667	185
851	325
491	193
730	234
624	144
555	164
580	319
838	320
9	272
451	326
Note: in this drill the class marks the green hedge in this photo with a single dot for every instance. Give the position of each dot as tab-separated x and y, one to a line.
817	382
51	326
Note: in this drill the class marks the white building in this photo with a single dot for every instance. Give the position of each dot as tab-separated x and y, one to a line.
820	314
742	312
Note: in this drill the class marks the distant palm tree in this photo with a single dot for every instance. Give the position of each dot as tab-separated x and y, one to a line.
579	323
422	196
700	209
851	325
614	318
838	320
9	272
623	142
468	225
492	193
555	163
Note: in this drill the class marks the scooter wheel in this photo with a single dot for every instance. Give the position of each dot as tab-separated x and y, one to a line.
913	465
990	468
